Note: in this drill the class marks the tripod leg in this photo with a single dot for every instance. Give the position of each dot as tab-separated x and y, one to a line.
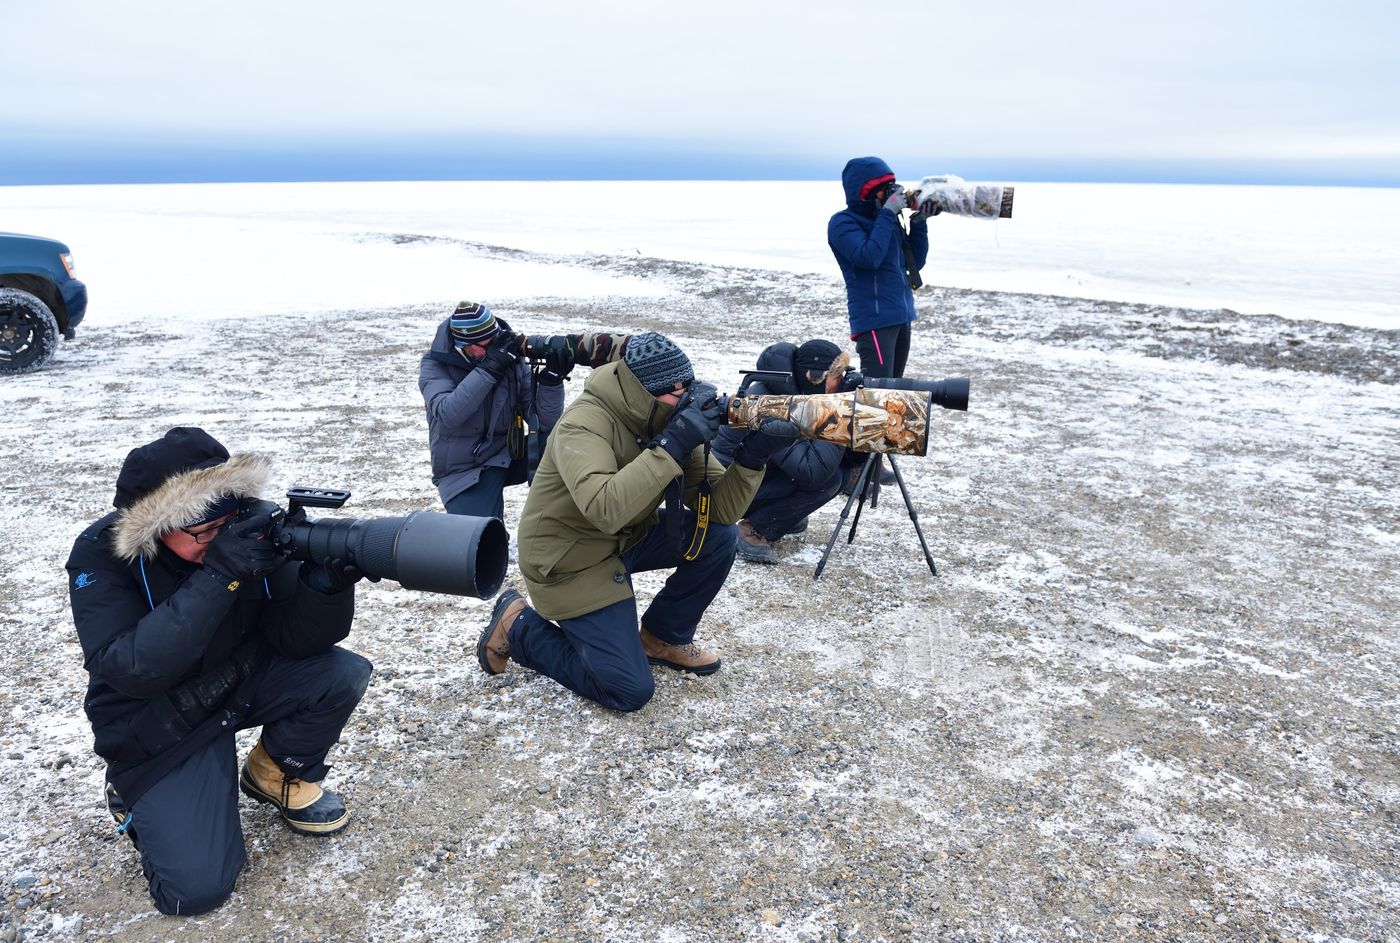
871	490
858	490
913	516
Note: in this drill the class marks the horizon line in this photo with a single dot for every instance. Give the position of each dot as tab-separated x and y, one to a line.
1144	180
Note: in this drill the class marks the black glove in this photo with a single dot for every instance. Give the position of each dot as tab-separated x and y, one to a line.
558	361
333	576
928	206
560	356
772	435
502	356
695	422
242	549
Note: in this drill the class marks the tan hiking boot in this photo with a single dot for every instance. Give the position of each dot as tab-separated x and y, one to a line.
688	657
306	807
493	646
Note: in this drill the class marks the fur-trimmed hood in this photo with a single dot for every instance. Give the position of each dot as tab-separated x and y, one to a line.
185	499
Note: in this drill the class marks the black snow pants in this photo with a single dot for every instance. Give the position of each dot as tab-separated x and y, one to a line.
186	825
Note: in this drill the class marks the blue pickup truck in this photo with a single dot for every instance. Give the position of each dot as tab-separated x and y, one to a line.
39	300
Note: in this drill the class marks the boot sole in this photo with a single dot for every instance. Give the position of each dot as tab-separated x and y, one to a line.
754	556
677	666
305	828
497	611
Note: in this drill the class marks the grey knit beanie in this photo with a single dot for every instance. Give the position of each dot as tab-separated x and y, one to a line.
657	362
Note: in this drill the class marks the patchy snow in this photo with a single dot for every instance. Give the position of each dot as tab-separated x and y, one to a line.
1152	686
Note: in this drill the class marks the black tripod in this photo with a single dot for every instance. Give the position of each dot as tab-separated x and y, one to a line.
868	486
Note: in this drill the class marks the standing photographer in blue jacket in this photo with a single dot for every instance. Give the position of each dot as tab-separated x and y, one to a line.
880	263
477	391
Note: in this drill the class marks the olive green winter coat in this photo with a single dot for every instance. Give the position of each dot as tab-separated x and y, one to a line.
596	492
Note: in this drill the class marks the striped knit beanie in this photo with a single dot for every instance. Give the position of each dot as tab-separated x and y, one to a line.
657	362
472	323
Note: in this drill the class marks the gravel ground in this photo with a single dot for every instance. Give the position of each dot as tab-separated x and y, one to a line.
1151	694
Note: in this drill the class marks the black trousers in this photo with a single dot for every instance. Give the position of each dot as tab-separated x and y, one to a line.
187	823
486	498
781	502
884	351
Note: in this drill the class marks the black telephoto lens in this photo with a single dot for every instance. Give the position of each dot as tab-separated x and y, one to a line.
439	553
950	394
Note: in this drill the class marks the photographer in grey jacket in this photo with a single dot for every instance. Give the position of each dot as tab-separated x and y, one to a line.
478	392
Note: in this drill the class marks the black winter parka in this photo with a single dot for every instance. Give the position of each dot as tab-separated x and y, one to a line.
809	462
172	651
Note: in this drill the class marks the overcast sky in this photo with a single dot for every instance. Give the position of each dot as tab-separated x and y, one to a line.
1250	91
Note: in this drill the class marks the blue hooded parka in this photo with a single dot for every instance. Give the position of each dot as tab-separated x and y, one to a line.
868	243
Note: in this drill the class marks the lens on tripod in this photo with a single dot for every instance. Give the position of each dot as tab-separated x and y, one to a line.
950	394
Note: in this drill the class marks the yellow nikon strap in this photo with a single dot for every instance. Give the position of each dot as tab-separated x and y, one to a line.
702	520
702	511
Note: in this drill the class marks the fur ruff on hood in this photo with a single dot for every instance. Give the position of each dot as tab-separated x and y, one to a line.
185	499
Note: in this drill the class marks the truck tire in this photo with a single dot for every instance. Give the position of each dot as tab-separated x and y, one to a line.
28	332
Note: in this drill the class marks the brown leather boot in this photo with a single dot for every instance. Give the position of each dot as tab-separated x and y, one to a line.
493	647
751	545
306	807
688	657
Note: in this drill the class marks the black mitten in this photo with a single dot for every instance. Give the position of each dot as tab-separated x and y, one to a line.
503	354
559	359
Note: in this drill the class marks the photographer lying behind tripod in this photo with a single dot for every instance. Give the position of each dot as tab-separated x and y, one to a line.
632	439
478	391
800	478
193	627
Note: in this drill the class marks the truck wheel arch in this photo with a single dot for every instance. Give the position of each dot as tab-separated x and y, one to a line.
43	288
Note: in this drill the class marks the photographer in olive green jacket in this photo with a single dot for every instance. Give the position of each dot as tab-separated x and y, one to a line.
636	436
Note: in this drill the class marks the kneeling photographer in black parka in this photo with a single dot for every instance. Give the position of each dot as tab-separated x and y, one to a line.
194	626
803	476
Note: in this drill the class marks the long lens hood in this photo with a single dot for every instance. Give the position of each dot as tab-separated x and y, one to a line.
451	553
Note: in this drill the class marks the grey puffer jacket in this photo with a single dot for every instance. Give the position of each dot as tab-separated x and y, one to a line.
470	413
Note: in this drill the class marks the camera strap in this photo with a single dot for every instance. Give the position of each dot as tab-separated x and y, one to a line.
675	513
702	512
911	270
515	438
515	435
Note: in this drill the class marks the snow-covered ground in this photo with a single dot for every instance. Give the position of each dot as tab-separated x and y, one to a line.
1150	695
192	251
